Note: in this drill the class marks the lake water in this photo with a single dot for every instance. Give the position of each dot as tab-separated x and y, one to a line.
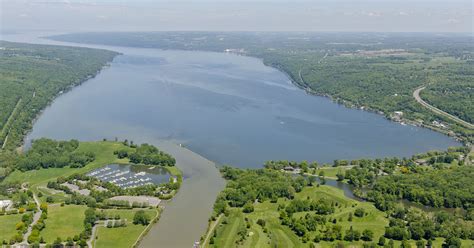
230	109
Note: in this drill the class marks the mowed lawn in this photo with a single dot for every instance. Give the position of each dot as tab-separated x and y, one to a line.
121	237
278	235
103	150
7	226
63	222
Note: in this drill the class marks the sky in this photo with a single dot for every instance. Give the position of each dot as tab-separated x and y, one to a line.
238	15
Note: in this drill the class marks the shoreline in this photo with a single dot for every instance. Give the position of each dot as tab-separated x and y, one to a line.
343	102
24	145
350	105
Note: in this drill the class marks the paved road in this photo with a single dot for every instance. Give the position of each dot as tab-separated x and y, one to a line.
416	95
36	217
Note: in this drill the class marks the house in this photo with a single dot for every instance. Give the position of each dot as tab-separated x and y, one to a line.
289	168
421	162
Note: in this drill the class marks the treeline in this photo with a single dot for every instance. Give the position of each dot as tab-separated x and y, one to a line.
47	153
366	171
146	154
405	224
247	186
450	188
32	75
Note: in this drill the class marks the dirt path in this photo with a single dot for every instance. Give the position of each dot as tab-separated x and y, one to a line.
94	233
416	95
211	231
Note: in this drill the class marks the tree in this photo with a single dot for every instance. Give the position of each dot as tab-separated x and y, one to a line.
359	212
90	217
405	244
452	242
57	243
391	244
340	175
381	241
248	207
367	235
141	217
420	244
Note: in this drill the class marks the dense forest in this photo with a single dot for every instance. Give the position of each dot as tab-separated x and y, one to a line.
450	188
32	75
147	154
376	72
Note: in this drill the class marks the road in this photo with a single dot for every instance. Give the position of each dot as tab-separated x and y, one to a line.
94	233
416	95
211	231
36	217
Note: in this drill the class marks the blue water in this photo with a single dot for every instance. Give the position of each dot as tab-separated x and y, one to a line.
230	109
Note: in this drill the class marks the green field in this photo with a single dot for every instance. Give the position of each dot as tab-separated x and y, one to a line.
104	152
122	236
331	172
279	235
7	227
63	222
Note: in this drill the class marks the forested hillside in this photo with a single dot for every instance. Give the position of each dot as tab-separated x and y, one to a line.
376	71
32	75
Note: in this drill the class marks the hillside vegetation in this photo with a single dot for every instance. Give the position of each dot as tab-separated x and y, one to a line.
32	75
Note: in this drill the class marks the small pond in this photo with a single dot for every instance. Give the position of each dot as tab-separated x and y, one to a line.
129	176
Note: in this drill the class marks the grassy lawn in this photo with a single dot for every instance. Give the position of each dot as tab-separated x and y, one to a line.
331	172
128	213
7	227
103	150
123	236
173	170
278	235
63	222
118	237
227	233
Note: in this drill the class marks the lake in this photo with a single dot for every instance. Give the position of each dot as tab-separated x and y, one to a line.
229	109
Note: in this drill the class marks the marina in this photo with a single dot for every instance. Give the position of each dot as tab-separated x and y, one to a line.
130	176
